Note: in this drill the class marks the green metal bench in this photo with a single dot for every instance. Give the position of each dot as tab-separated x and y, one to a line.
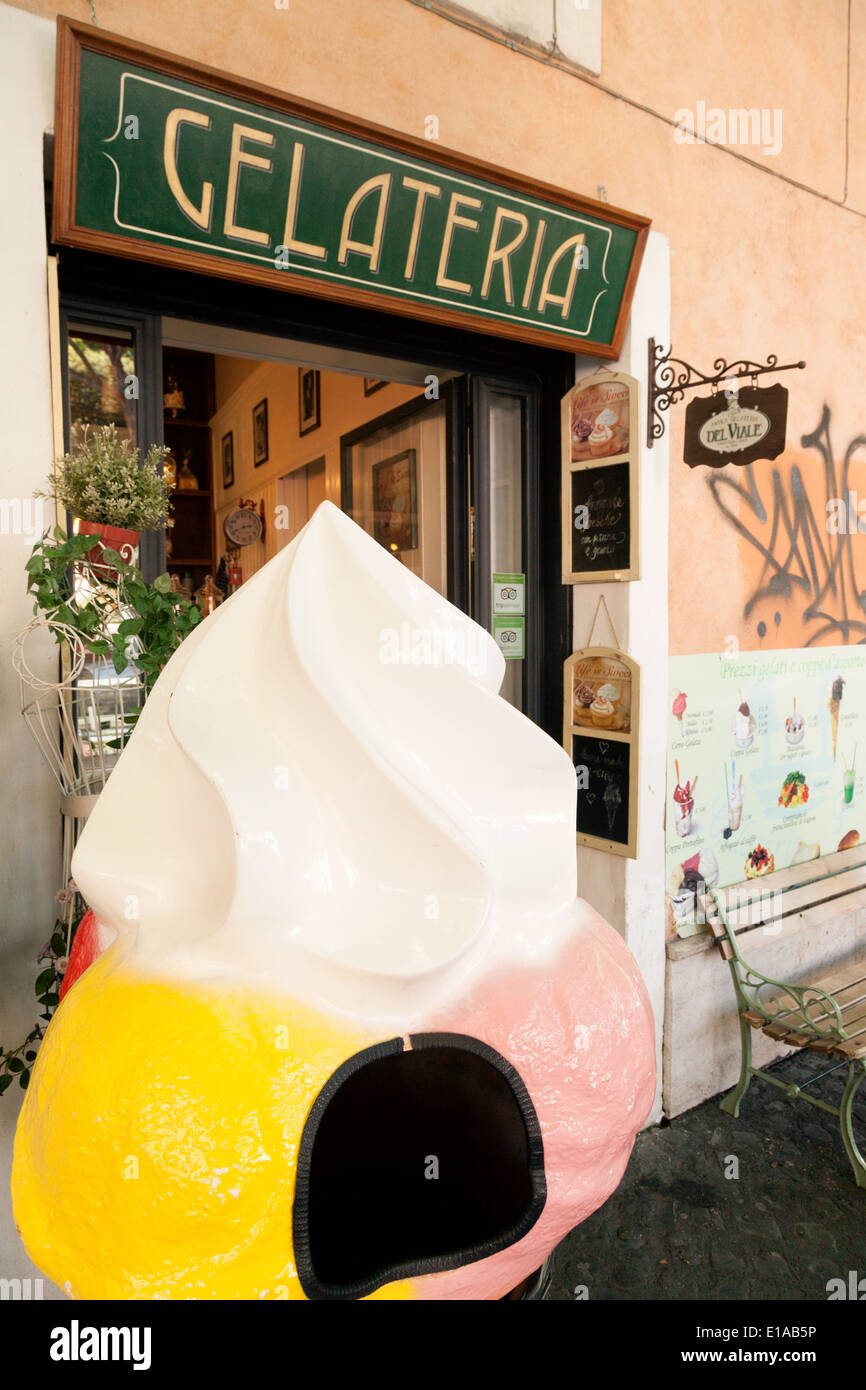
825	1015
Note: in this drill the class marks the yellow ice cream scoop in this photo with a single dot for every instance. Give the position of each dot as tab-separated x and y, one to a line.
215	1084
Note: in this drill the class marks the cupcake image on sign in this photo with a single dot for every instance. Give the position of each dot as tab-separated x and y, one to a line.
601	693
600	420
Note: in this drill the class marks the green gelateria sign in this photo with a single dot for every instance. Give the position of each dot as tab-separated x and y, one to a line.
162	161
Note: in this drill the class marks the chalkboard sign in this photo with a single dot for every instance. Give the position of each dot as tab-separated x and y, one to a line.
601	524
601	723
600	480
603	789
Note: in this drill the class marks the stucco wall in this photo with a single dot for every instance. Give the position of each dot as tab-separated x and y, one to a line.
763	239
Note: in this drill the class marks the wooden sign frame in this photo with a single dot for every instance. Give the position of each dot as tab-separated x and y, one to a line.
629	735
630	455
74	37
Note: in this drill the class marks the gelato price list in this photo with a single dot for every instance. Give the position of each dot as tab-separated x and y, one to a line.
766	762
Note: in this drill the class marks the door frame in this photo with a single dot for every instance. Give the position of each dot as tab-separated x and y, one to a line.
98	284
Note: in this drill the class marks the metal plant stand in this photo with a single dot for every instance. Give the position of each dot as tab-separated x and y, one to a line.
80	722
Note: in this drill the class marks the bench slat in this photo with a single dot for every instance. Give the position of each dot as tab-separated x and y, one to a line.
780	903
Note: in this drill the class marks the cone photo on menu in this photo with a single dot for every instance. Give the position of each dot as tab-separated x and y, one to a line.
833	706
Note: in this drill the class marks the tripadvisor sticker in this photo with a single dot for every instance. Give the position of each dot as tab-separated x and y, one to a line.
509	593
508	635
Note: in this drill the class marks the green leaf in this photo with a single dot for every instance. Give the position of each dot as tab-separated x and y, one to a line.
30	1056
5	1081
130	626
14	1064
52	999
44	981
24	1080
60	535
162	583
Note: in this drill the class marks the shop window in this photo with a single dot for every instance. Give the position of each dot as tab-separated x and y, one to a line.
101	380
569	30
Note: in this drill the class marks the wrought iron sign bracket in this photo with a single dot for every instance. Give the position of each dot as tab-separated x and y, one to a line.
666	385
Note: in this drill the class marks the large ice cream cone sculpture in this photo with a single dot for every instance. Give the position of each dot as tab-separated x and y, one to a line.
355	1036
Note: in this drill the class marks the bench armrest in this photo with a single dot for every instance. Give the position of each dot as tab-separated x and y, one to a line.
803	1009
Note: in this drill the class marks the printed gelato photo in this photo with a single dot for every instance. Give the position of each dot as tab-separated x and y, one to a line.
600	420
601	694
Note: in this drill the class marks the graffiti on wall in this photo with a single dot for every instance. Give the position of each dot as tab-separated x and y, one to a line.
810	537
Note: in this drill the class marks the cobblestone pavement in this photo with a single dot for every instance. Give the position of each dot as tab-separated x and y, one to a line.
677	1227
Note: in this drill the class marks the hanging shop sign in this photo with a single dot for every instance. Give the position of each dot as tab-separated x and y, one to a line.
166	161
601	480
601	704
737	428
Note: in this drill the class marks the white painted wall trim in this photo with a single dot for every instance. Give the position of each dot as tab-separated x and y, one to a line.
629	893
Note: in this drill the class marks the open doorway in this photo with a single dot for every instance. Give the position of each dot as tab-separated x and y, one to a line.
440	462
258	442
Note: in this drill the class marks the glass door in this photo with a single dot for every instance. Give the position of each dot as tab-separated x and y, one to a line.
503	442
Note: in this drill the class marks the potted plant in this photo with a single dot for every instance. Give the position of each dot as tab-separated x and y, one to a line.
111	492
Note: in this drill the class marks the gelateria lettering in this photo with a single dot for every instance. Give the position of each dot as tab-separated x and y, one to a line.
166	164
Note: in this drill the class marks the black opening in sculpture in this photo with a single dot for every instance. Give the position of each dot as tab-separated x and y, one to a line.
413	1161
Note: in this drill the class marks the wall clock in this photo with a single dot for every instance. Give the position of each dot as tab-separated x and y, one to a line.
244	525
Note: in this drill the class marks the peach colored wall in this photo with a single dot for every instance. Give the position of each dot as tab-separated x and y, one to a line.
240	385
763	245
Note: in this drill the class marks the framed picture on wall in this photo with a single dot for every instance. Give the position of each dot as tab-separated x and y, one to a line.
373	384
260	433
395	502
228	460
309	402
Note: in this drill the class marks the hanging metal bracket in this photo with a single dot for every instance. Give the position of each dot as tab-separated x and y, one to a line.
666	385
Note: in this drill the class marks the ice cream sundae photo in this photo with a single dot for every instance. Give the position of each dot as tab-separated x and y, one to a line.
795	727
678	708
743	727
684	805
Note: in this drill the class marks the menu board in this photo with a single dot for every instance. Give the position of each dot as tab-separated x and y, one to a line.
766	764
600	731
600	483
600	496
603	790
